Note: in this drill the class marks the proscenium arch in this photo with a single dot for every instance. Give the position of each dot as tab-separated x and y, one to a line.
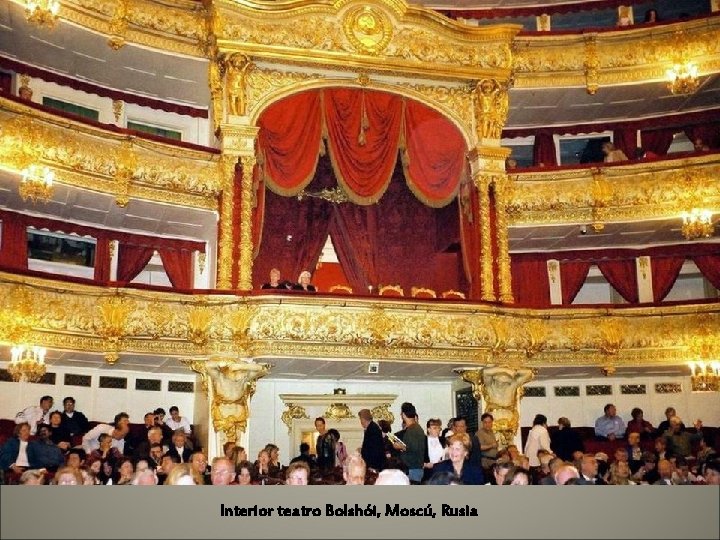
455	117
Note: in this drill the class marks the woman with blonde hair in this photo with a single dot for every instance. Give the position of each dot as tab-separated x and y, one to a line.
457	463
303	283
181	475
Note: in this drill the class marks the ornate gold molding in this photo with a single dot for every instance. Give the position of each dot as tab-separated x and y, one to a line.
68	316
93	158
623	193
291	413
338	411
625	56
383	412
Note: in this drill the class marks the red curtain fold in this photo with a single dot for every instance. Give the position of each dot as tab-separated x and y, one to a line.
572	278
657	140
290	141
709	266
178	266
363	132
102	259
665	271
622	276
708	132
13	249
351	229
469	212
626	140
258	213
530	281
544	149
131	261
435	157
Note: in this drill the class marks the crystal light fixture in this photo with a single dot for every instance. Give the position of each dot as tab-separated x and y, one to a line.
683	78
697	224
42	12
28	363
37	183
704	376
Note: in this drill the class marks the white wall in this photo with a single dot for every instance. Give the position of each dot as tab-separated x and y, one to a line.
584	410
99	404
266	407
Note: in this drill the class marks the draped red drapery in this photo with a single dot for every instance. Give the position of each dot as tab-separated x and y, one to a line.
626	140
621	275
402	215
572	277
544	149
131	261
530	280
709	266
13	249
657	141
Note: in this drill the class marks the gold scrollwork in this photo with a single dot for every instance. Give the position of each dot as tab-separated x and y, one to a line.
383	412
338	411
291	413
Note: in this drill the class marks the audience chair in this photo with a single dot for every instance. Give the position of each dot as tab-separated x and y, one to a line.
341	289
391	290
457	295
420	292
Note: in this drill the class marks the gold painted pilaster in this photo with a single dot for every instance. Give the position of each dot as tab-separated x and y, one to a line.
501	389
246	222
501	230
487	282
225	227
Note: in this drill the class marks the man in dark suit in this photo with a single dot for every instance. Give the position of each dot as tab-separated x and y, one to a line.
73	422
373	446
178	449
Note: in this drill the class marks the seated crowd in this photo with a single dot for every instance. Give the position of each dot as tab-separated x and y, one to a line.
63	449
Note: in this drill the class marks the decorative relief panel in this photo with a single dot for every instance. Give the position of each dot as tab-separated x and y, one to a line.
598	390
534	391
567	391
633	389
668	388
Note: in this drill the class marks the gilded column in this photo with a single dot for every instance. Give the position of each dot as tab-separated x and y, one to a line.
482	182
225	227
500	388
247	202
501	229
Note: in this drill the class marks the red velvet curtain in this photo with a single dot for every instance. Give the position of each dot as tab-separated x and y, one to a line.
290	141
14	250
544	149
178	265
363	129
708	132
530	280
435	157
622	276
626	140
102	259
709	266
352	231
132	259
665	271
572	278
469	212
657	140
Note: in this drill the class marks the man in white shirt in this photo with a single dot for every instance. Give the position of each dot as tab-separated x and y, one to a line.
36	414
118	430
178	422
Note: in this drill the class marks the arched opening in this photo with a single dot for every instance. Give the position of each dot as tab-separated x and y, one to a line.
385	177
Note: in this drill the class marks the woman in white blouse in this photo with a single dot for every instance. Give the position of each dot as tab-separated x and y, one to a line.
437	451
538	439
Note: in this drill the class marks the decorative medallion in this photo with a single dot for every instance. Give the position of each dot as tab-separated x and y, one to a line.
368	29
338	411
382	412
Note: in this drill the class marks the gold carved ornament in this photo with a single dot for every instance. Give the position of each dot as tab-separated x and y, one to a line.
383	412
368	29
291	413
114	316
338	411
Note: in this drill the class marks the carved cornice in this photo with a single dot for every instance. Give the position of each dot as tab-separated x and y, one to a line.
633	192
627	56
92	158
85	318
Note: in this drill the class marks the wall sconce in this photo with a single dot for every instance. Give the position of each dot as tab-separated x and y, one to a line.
683	78
697	224
28	363
37	183
704	376
42	12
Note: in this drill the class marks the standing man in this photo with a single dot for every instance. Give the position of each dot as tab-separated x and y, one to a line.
325	446
413	453
36	414
73	422
373	445
609	426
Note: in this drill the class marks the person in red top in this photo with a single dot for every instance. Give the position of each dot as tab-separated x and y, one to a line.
639	425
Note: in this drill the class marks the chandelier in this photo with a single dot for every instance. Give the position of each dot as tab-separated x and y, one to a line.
697	224
683	78
27	363
42	12
37	183
704	376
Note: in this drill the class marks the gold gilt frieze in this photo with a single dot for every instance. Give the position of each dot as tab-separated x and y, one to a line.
94	319
92	158
623	193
